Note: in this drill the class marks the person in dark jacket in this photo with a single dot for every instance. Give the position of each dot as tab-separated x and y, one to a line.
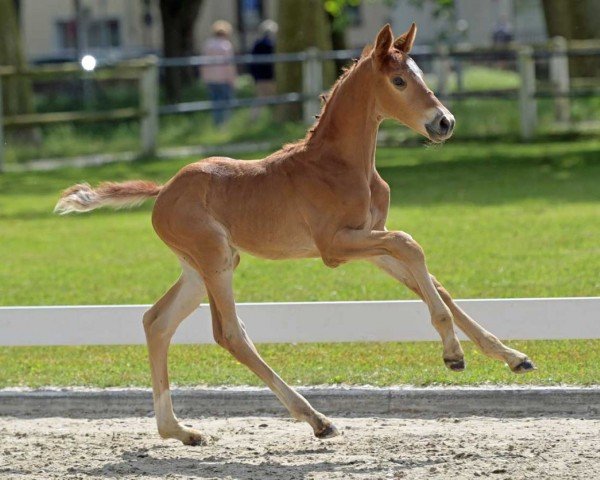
264	73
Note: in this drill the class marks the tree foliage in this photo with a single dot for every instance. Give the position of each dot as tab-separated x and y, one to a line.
16	92
302	24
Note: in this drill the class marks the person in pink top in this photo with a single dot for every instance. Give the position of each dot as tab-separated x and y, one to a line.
219	78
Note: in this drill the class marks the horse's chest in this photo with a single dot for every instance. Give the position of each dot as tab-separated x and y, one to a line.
354	203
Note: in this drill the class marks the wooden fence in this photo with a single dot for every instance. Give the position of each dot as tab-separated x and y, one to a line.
146	72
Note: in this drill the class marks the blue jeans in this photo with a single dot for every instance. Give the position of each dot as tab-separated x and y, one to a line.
220	92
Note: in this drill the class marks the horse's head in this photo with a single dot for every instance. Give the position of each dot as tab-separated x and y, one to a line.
400	89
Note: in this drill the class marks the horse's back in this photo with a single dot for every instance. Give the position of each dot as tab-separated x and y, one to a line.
250	202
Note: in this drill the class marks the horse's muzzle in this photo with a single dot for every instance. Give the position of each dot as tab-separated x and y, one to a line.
441	127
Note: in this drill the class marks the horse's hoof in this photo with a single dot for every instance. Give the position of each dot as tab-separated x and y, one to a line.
328	432
455	365
195	440
524	367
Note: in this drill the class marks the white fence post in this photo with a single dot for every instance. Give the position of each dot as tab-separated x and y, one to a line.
149	106
559	76
441	67
312	84
1	130
527	102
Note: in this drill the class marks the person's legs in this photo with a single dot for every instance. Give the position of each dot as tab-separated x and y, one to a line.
226	95
215	92
220	92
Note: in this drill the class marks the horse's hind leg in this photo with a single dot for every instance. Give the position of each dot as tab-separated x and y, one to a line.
231	334
160	323
488	343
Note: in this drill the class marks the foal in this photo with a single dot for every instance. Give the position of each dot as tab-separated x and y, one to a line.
320	197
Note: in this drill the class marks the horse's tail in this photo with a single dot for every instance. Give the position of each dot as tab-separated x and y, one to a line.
83	198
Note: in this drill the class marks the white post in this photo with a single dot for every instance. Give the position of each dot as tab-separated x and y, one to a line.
559	76
149	106
441	67
1	130
312	84
527	102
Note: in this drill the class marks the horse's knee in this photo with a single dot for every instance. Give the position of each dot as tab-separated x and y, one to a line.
219	338
148	319
407	248
155	325
238	344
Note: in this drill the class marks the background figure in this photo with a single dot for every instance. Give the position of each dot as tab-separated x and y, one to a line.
502	36
219	78
503	32
264	73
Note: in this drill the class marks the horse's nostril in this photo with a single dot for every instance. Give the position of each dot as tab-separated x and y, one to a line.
444	125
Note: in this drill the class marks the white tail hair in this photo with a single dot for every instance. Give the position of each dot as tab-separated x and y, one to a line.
83	198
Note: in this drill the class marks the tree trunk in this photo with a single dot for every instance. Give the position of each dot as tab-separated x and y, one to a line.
178	20
338	42
17	94
302	24
575	20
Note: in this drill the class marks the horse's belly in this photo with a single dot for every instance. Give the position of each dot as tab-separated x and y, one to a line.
274	244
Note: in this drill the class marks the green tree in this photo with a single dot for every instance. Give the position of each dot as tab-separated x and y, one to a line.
17	96
302	24
178	20
575	20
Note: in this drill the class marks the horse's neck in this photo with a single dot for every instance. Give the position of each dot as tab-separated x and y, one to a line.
349	123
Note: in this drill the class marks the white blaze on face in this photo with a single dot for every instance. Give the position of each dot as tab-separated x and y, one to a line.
413	67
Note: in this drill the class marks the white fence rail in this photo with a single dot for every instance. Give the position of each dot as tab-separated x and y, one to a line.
527	319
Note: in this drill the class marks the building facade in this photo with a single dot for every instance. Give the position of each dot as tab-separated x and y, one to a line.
127	28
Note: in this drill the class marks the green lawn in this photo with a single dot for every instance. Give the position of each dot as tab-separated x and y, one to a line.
496	220
381	364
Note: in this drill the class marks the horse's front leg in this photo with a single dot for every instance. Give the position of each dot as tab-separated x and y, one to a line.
350	244
488	343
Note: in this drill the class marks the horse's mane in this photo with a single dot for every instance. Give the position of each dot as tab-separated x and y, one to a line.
326	98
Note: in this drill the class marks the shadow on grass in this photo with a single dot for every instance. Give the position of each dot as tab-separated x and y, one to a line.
496	180
454	174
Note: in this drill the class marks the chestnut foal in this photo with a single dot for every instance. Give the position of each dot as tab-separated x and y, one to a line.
320	197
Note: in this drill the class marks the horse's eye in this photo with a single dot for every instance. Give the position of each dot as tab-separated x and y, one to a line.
398	82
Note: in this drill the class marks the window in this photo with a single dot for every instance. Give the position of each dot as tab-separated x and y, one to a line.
101	33
104	33
354	13
250	14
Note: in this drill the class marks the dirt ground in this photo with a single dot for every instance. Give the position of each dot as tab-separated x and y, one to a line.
278	448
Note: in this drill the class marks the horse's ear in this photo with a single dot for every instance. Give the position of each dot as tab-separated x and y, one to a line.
405	42
383	42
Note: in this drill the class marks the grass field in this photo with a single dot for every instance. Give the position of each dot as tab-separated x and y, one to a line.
559	362
496	220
